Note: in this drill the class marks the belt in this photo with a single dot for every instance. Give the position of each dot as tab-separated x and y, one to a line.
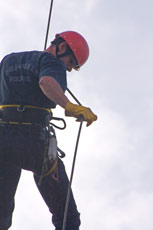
24	114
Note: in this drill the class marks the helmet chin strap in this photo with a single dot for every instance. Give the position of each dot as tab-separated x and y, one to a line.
67	52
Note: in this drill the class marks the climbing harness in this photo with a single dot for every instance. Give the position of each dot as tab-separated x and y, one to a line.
51	154
24	114
34	115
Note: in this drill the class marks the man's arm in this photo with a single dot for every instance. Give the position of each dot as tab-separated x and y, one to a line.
53	91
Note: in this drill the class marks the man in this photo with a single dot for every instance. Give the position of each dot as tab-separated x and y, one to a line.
31	83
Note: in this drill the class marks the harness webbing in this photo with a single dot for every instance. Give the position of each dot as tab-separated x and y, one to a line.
22	107
51	169
15	123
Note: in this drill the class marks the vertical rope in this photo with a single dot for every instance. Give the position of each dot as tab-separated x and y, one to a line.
78	137
73	166
48	25
73	96
71	178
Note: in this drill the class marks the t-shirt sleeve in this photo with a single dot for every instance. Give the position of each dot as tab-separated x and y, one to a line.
51	66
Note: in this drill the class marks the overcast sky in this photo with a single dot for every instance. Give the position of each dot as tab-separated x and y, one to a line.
113	180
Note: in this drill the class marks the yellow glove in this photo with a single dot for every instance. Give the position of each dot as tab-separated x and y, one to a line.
79	111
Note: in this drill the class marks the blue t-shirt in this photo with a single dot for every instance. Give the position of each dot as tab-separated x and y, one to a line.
20	74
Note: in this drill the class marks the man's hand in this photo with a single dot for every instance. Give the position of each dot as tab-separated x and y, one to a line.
79	112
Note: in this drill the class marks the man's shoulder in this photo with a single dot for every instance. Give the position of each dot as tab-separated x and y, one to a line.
49	60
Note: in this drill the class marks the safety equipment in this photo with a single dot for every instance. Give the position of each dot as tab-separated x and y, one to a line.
80	112
51	154
25	114
52	150
78	45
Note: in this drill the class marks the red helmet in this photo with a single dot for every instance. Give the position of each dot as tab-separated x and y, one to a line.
77	44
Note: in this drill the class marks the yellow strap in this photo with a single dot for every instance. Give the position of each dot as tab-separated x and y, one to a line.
51	169
26	106
15	123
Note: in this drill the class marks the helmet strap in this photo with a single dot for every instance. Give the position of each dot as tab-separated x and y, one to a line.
67	52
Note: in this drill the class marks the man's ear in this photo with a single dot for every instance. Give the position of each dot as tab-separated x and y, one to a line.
62	47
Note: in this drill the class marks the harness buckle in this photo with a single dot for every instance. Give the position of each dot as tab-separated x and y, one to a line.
21	108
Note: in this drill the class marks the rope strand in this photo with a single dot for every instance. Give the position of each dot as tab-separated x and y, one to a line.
72	95
48	25
71	178
78	137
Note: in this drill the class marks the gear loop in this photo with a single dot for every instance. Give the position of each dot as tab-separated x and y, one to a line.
21	108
